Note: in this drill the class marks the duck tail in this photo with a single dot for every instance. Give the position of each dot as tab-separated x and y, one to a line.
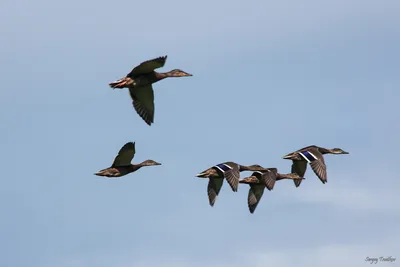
121	83
202	175
100	173
288	156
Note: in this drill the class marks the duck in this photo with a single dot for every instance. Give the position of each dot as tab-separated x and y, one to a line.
260	180
122	163
228	170
269	176
139	82
314	156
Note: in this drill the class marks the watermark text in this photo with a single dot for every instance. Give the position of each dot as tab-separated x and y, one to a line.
388	259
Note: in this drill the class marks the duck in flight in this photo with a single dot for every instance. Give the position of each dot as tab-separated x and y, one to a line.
258	181
314	156
139	82
122	163
228	170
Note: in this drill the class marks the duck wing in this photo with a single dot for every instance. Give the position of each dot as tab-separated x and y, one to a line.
231	172
143	102
147	67
213	188
299	167
125	155
267	178
317	162
255	193
319	168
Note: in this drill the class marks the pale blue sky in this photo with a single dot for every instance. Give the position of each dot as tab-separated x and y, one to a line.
270	77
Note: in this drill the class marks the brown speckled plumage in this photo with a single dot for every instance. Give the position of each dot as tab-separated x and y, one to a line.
314	156
259	180
122	163
140	80
228	170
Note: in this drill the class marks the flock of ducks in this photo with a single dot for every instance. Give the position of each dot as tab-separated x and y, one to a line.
139	82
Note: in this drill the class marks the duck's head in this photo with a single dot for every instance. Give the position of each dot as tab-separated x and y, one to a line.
150	162
338	151
178	73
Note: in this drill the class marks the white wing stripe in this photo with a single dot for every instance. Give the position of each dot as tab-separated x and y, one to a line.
305	157
220	169
228	166
313	155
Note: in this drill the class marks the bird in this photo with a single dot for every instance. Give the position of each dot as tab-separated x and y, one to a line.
139	82
269	176
228	170
314	156
122	163
259	180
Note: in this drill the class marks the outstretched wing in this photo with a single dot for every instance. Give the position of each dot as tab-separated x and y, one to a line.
319	167
147	67
317	163
230	171
255	193
143	102
299	167
213	188
267	178
125	155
